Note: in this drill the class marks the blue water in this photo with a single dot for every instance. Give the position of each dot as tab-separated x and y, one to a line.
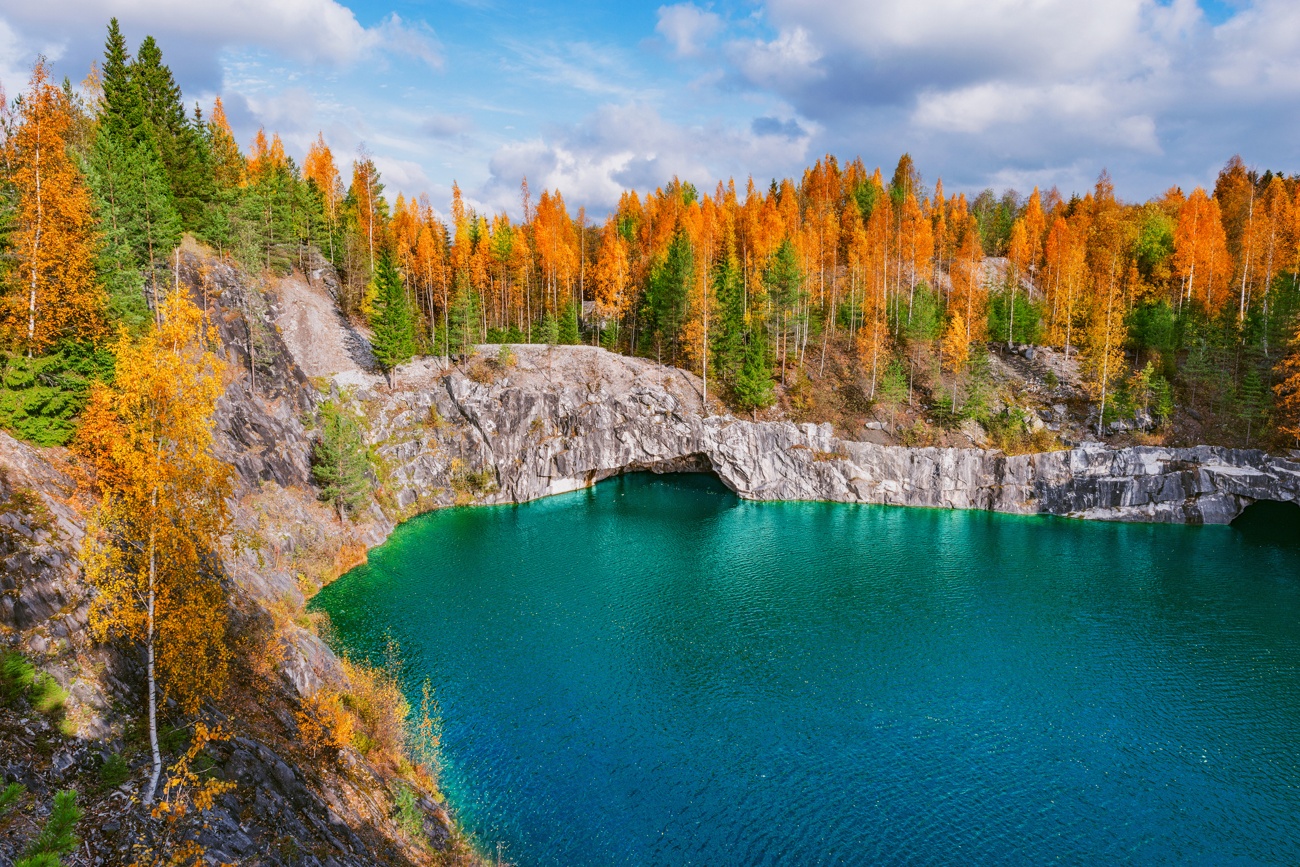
655	672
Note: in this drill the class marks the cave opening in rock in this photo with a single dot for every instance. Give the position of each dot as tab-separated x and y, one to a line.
1270	522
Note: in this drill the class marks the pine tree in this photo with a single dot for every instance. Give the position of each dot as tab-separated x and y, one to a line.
133	196
754	386
340	464
729	334
180	145
394	328
569	335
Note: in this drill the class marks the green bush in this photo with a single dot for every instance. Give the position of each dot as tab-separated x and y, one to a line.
47	696
409	818
41	397
114	771
16	675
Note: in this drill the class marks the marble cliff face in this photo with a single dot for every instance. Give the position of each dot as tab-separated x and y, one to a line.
565	418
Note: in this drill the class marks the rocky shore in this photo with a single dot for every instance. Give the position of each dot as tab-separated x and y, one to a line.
555	419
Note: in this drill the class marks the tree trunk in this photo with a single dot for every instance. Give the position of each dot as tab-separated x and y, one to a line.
149	645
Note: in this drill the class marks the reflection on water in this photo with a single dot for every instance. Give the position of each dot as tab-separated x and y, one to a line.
654	672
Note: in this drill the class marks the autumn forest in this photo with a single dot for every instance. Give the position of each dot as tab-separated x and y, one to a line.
1183	304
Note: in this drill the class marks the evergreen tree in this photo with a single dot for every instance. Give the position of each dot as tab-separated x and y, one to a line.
340	464
754	386
548	332
666	293
463	318
568	331
729	335
133	196
180	145
394	327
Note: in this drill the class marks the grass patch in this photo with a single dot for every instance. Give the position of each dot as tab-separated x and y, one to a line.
16	676
47	696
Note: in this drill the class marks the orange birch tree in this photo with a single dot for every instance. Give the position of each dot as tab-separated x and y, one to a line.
150	549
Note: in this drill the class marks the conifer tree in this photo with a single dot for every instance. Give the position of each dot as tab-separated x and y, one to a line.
180	145
394	328
729	336
569	335
339	461
754	385
133	195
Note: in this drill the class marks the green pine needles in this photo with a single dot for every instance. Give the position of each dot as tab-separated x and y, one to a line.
340	460
393	325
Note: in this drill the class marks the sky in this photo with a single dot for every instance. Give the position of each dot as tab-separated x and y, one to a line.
597	97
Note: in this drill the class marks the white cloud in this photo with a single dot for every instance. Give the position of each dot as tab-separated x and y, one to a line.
193	35
977	89
789	60
631	146
687	28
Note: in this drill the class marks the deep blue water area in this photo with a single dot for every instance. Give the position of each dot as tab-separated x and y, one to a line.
653	672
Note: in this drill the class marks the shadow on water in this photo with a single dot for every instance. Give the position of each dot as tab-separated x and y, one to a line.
1270	523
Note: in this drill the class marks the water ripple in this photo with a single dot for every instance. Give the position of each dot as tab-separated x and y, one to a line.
652	672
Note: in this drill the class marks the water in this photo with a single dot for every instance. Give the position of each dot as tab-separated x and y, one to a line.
653	672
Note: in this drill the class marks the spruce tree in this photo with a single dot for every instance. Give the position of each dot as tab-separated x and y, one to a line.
754	386
569	335
729	336
463	318
394	328
339	461
133	196
181	147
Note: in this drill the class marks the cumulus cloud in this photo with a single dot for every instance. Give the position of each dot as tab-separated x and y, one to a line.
632	146
687	28
193	35
990	88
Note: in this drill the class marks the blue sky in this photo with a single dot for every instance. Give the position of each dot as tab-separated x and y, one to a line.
595	97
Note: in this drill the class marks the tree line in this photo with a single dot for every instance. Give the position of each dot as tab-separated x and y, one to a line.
1188	299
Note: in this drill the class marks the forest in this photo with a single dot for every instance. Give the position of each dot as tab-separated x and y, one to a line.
1186	303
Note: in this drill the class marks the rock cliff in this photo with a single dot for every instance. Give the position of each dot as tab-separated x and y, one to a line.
562	418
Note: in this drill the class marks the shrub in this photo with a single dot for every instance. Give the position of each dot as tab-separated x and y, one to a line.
409	817
47	696
324	723
379	706
10	796
16	675
113	772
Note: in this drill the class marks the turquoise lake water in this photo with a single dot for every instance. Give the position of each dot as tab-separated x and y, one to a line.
654	672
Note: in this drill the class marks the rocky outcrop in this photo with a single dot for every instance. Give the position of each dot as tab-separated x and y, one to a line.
565	417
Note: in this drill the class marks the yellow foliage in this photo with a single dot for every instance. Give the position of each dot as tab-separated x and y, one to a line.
380	707
1288	389
150	545
52	290
187	789
324	723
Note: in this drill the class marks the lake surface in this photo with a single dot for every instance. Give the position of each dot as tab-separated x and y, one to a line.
653	672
